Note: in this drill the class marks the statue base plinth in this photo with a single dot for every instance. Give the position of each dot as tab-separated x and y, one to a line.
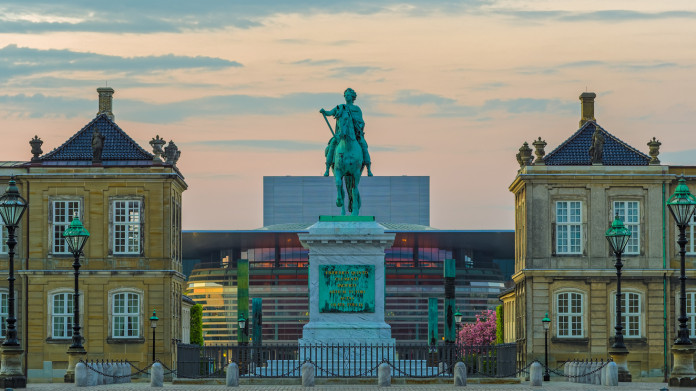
683	374
74	356
620	357
11	375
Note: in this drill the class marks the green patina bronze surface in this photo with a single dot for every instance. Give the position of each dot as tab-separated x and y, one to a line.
257	320
346	288
346	218
243	298
347	151
450	328
432	321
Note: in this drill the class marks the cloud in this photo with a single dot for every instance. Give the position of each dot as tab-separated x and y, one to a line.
39	105
21	61
609	16
615	66
416	98
679	158
448	107
626	16
490	86
130	16
352	70
310	62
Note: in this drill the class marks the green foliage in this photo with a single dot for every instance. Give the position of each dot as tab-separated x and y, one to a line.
197	325
499	324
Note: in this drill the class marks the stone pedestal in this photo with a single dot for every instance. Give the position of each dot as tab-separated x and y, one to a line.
683	374
74	356
347	289
11	375
620	357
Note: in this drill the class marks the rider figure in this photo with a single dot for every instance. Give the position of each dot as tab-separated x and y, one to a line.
358	126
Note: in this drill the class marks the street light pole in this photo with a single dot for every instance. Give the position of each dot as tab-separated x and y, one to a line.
682	205
12	207
75	237
153	325
618	235
546	322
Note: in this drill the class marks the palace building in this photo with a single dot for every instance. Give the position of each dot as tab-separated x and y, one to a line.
130	202
565	201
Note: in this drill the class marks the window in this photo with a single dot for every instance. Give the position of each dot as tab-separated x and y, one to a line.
631	311
690	313
690	236
3	238
126	226
4	309
569	314
629	213
62	316
568	224
126	315
63	212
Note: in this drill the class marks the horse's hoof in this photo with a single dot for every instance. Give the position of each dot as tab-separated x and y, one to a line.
339	203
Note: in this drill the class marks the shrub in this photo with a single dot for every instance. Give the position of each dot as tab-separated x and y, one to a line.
197	325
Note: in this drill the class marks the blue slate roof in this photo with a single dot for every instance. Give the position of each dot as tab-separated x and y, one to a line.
575	150
119	148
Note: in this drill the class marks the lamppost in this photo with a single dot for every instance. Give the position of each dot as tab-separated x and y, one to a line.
457	321
242	323
153	324
682	205
546	322
75	237
617	236
12	207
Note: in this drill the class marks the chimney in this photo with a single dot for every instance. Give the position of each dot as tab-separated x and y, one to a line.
105	99
587	107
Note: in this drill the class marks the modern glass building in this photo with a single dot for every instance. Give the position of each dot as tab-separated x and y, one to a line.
278	262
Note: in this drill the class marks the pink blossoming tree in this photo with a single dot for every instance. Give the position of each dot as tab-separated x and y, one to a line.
479	333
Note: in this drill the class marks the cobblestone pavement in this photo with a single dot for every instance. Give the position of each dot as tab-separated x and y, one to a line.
552	386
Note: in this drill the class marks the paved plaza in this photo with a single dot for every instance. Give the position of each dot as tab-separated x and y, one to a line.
555	386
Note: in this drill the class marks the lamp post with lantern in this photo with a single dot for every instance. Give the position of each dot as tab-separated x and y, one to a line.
546	322
75	237
153	325
12	207
618	235
682	205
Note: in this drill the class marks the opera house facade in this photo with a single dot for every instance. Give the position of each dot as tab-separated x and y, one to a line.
278	262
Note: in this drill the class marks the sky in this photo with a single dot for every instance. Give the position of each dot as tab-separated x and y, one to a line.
448	89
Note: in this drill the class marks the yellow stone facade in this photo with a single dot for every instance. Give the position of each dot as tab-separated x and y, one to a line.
544	276
154	275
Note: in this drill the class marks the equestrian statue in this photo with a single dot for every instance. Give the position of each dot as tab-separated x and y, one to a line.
347	152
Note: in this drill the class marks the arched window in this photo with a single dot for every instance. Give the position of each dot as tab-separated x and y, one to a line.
569	315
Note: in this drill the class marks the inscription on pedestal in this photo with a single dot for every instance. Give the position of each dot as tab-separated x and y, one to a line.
346	288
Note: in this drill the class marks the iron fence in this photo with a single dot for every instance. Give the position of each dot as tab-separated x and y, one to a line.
407	360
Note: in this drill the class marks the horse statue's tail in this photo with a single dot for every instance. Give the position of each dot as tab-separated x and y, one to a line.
350	185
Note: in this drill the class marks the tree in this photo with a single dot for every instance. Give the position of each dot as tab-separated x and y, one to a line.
499	325
197	325
479	333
